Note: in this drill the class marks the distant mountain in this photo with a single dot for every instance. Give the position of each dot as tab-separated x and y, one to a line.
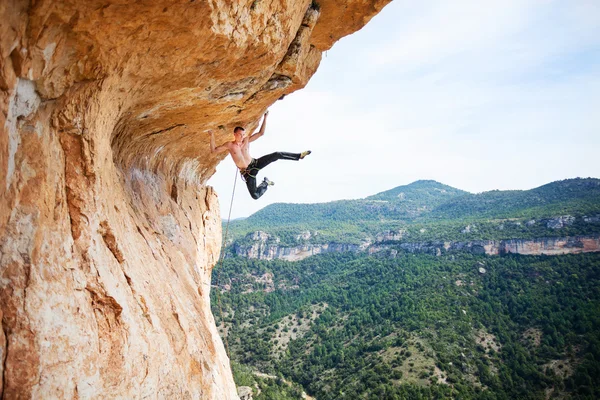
579	196
421	193
423	202
401	203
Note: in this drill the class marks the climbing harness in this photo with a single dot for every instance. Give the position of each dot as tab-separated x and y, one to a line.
221	257
247	171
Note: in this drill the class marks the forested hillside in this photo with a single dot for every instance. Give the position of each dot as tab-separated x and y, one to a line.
428	210
348	326
572	196
401	324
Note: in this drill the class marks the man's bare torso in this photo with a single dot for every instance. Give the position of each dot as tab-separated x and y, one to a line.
240	152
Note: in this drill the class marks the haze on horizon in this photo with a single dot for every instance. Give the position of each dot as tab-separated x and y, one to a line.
504	96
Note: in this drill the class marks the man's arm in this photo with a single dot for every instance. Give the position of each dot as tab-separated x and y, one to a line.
216	149
261	131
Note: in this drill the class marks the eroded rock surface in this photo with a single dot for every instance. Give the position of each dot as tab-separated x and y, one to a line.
107	232
266	247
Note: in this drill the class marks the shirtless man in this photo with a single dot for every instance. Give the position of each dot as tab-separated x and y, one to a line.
239	149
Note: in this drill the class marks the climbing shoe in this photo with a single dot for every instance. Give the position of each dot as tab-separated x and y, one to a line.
268	182
304	154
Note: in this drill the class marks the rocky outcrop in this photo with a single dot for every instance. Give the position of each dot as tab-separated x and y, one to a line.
107	232
538	246
559	222
266	247
245	392
265	251
550	246
390	236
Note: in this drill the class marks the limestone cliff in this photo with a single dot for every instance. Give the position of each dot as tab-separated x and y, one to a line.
266	246
108	233
531	247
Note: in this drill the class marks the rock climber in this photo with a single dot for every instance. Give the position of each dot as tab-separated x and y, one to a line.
239	148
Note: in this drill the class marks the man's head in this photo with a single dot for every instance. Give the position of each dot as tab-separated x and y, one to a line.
238	132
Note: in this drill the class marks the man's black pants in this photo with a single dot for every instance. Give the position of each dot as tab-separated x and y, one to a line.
249	174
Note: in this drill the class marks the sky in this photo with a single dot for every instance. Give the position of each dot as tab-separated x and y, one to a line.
476	95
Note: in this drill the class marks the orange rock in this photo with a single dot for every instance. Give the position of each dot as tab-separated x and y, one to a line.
108	234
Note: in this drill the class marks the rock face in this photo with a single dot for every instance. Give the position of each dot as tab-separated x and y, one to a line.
266	247
560	222
538	246
107	232
550	246
264	251
245	392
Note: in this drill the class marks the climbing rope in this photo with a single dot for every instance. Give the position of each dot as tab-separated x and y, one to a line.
221	257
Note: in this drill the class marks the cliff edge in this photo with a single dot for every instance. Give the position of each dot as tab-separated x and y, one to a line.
108	233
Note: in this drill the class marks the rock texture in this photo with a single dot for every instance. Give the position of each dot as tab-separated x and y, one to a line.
245	392
107	232
266	247
537	246
265	251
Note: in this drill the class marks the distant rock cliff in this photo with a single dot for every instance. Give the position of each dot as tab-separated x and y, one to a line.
538	246
108	234
263	250
264	246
